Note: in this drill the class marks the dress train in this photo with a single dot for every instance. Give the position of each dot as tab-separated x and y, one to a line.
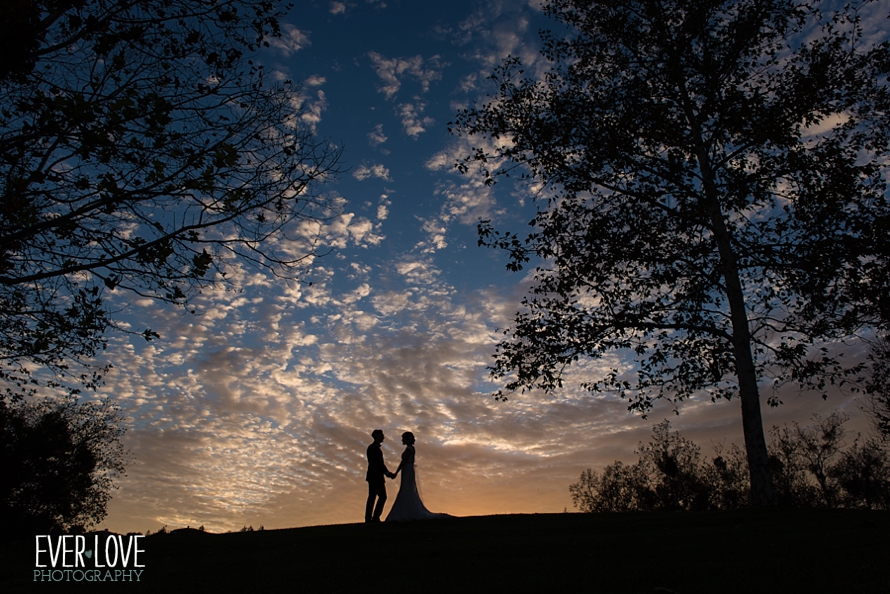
408	505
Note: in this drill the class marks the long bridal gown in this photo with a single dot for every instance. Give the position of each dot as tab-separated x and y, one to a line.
408	505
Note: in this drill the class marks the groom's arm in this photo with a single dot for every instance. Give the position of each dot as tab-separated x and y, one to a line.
376	463
385	469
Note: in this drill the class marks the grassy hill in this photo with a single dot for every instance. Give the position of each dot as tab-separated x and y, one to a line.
747	551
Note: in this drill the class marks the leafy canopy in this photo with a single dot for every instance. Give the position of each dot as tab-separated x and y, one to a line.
140	147
714	179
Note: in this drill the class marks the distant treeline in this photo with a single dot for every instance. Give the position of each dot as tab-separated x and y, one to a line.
812	466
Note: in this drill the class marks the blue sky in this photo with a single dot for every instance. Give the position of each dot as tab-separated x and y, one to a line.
257	409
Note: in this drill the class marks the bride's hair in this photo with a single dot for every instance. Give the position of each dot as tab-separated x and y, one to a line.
408	436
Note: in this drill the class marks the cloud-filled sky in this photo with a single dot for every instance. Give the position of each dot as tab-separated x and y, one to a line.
257	409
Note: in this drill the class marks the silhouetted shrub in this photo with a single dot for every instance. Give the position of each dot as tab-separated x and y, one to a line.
620	488
727	479
863	475
800	458
670	475
810	468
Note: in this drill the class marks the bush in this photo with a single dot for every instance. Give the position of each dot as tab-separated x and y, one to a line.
863	475
809	465
670	475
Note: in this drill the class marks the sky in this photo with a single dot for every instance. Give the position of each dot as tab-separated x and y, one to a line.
257	409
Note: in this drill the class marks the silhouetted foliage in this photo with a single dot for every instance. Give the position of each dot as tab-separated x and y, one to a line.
809	465
802	455
863	475
58	464
878	387
711	192
140	148
670	475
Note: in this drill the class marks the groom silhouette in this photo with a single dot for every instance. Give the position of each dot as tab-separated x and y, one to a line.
377	471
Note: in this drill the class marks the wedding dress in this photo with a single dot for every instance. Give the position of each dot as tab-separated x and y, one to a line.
408	505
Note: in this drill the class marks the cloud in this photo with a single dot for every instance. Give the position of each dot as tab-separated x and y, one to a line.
364	172
349	229
376	136
464	201
383	207
469	82
292	40
392	70
412	120
436	230
419	272
311	110
337	8
494	31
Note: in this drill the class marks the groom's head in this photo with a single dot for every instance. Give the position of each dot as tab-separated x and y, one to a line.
377	434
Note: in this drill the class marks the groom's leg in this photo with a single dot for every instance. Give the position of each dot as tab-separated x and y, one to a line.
381	500
369	506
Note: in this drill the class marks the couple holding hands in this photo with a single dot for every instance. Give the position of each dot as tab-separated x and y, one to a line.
408	505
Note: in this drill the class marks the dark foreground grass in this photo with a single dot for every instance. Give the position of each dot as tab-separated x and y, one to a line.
746	551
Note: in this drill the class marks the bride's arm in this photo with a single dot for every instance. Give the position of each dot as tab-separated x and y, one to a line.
406	459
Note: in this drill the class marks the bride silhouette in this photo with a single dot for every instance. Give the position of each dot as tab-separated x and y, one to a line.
408	505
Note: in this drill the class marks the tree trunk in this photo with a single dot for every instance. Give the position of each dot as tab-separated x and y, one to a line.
762	491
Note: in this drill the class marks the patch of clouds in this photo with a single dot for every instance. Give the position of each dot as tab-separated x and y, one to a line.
419	271
464	201
392	71
412	119
307	107
468	83
436	230
364	172
311	113
337	8
350	229
359	270
291	41
383	207
391	302
495	31
376	137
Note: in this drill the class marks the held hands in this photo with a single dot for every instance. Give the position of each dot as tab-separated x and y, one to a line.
392	475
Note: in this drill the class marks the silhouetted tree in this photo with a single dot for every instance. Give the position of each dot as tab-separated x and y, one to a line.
139	148
58	464
710	182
